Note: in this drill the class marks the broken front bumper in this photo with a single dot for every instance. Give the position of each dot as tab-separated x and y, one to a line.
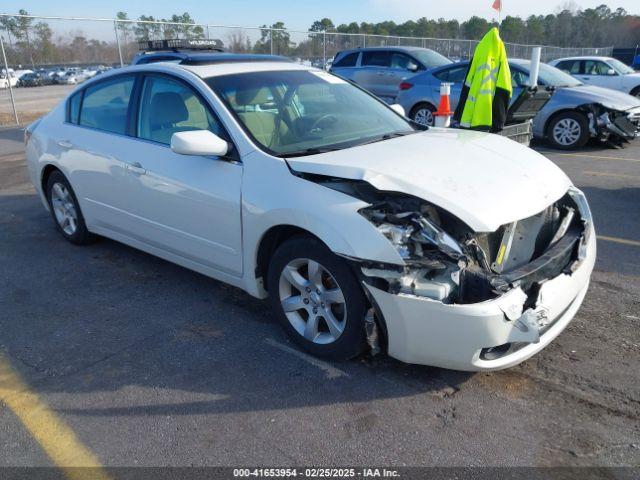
624	124
489	335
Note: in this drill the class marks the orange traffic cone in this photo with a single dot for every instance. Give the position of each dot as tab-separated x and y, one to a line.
444	113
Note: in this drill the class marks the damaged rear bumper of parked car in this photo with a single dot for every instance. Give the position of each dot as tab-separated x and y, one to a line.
484	303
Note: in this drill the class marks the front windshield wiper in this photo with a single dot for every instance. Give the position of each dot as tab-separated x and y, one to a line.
309	151
387	136
318	150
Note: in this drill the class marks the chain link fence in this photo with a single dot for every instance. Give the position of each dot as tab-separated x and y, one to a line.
51	46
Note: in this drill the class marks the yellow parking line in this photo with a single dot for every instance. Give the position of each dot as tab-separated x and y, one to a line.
597	157
623	241
54	436
607	174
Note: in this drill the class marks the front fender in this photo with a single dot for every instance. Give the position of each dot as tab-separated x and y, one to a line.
273	196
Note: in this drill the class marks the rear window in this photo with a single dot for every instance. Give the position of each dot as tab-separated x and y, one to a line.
348	60
74	108
105	105
453	75
376	59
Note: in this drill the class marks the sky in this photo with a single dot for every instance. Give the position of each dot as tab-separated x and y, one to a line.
300	14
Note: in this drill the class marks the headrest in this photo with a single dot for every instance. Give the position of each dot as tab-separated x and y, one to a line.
253	96
167	108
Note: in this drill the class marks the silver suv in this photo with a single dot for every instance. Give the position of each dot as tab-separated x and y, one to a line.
381	69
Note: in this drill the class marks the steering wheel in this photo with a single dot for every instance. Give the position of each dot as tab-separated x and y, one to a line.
324	118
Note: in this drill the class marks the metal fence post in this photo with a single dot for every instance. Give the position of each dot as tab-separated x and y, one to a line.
6	69
115	30
324	49
271	39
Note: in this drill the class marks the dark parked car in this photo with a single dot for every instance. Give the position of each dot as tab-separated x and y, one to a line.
30	80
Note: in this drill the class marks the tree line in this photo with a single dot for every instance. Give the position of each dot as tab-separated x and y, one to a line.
31	41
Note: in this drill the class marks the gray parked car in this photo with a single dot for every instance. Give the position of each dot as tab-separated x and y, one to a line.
381	69
575	113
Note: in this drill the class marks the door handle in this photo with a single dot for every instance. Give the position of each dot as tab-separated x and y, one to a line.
65	144
135	168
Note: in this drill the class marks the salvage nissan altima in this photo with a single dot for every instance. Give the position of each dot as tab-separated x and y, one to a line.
443	247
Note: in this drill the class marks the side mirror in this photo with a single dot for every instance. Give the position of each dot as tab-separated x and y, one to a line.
398	109
412	67
611	71
198	142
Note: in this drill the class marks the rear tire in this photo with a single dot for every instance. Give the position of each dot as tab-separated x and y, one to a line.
568	130
325	304
422	113
65	210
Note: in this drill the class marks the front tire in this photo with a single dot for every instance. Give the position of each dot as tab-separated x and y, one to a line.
317	299
568	130
65	210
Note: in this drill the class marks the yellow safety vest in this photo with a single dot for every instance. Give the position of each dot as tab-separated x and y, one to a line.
488	83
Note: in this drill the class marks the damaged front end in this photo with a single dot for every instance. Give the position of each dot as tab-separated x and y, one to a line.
446	261
609	124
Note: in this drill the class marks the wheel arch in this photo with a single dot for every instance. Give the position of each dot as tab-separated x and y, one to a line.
45	174
270	241
419	104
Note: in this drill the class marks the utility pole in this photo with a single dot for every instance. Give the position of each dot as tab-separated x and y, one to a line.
6	69
115	29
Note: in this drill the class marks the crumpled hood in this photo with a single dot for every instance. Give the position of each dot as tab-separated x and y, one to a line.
613	99
485	180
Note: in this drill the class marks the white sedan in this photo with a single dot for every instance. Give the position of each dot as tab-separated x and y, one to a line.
452	248
602	71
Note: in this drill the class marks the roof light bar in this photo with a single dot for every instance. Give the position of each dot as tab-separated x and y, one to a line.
180	43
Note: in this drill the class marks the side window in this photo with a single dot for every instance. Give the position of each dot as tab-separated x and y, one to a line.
595	67
105	105
349	60
453	75
169	106
519	78
376	58
570	66
74	108
400	60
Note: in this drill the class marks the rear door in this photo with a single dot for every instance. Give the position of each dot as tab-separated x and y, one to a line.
346	66
374	74
92	146
455	76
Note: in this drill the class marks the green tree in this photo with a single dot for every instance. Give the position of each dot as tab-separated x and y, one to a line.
274	36
146	29
324	25
475	28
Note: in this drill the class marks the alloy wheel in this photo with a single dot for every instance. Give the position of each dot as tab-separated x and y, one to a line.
312	301
424	116
64	208
567	132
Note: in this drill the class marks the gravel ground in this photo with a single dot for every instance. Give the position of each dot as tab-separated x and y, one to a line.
152	364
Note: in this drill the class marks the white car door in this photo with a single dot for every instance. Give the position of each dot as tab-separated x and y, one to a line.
187	205
92	145
597	72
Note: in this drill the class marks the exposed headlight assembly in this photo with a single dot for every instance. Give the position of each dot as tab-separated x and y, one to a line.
434	258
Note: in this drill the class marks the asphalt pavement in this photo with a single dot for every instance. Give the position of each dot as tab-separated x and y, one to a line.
149	364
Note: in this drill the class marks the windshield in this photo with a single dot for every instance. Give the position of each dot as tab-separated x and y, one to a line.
620	67
292	113
552	76
430	59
